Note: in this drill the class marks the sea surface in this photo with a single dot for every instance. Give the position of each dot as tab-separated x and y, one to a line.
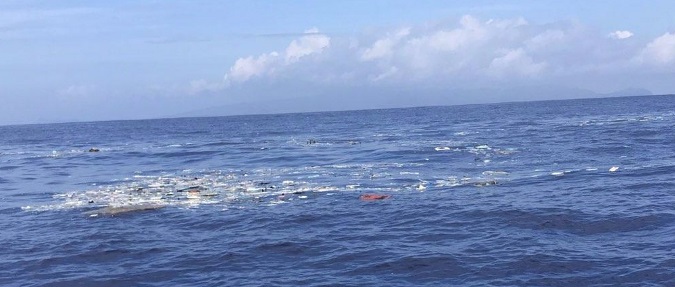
553	193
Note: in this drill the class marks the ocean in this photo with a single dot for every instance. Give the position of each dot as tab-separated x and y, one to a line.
550	193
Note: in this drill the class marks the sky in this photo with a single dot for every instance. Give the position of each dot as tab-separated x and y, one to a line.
68	60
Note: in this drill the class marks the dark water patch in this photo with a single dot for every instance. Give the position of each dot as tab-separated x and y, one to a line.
620	149
59	167
512	270
182	154
435	266
658	171
55	182
134	154
9	210
647	276
9	167
658	186
223	143
285	248
526	123
114	279
414	270
573	222
61	173
649	133
270	158
350	258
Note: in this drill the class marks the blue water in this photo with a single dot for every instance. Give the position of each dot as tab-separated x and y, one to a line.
556	193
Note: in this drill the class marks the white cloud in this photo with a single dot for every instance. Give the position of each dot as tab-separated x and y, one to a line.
515	61
469	32
312	43
245	68
620	34
467	53
660	51
545	39
268	64
383	48
386	74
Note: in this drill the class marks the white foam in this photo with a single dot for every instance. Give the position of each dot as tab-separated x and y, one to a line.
174	190
495	173
409	173
326	188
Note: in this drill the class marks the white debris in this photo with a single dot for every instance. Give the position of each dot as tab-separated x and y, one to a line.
421	187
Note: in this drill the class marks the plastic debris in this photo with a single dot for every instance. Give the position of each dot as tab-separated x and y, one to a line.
373	197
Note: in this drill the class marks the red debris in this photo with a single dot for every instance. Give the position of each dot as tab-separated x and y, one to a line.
372	196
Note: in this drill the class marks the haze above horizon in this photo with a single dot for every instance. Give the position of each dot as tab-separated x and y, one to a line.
108	60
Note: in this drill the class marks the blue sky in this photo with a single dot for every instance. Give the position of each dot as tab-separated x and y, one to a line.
102	60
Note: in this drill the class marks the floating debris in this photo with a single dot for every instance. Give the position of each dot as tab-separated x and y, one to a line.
495	173
190	189
483	147
485	183
288	183
373	197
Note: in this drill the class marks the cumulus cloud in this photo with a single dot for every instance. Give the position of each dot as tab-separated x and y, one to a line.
516	61
312	43
449	53
268	64
469	52
545	39
660	51
245	68
620	34
383	48
470	31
